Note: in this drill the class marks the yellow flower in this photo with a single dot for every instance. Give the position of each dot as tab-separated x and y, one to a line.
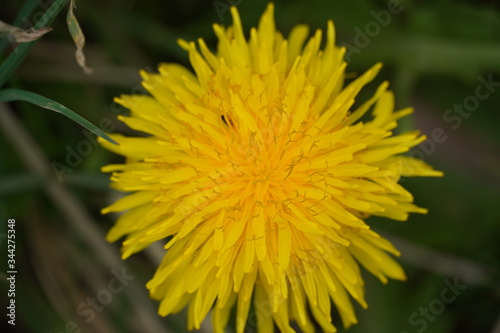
259	173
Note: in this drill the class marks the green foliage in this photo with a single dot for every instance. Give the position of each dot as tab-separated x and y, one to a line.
21	52
433	53
10	95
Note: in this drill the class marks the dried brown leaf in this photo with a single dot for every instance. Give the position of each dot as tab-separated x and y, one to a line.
78	38
19	35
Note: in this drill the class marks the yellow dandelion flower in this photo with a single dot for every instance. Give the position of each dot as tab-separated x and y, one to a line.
259	173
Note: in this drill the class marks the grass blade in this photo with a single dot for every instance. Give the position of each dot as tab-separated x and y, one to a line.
9	95
20	53
26	11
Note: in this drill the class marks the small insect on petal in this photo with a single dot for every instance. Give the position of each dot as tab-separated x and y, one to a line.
227	120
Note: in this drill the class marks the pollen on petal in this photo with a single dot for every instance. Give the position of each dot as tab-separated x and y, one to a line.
258	170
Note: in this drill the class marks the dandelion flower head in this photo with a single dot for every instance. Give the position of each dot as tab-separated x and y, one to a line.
258	173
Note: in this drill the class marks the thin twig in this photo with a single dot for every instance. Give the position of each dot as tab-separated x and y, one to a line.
441	263
496	326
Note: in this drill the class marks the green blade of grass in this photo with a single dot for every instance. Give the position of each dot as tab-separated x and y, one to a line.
9	95
20	53
25	12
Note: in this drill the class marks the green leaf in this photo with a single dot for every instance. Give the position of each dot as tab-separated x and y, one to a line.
9	95
20	53
26	11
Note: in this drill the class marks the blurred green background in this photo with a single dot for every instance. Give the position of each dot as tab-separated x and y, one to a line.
436	55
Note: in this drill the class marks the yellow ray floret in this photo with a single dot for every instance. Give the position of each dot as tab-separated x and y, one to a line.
260	173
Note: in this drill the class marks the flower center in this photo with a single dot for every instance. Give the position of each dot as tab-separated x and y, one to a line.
262	165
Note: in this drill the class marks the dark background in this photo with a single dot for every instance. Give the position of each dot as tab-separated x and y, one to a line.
434	54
